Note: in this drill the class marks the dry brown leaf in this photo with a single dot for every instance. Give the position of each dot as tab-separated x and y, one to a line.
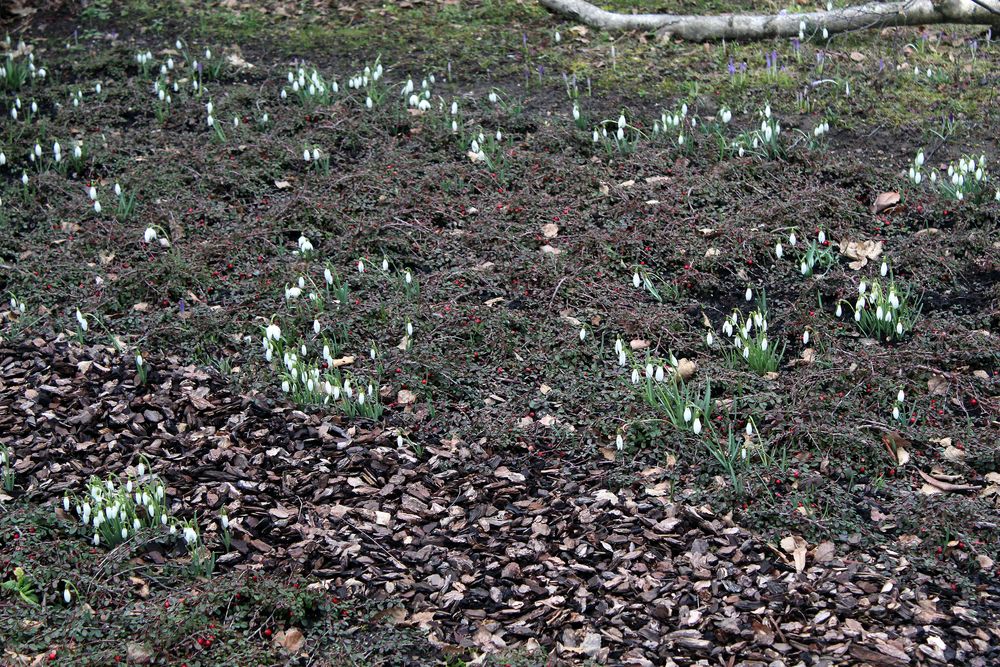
937	385
685	368
860	252
282	185
291	640
884	201
406	397
797	547
550	230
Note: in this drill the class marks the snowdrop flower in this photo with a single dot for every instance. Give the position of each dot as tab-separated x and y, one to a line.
826	33
763	344
778	250
24	178
305	154
583	334
407	277
649	371
709	339
804	268
328	276
899	328
659	374
494	98
67	596
840	311
97	206
687	414
315	154
273	331
900	396
749	294
636	281
189	535
81	320
316	327
285	387
97	539
895	412
821	237
862	287
302	282
919	160
884	270
726	115
409	329
791	239
805	337
696	426
635	376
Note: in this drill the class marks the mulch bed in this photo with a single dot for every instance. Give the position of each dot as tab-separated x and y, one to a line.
481	550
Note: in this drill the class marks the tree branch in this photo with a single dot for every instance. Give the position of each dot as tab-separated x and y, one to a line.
762	26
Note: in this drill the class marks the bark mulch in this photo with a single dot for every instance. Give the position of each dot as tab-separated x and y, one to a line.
481	550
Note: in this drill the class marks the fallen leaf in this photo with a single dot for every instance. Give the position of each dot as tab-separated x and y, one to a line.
884	201
937	385
282	185
860	252
291	640
550	230
797	547
406	397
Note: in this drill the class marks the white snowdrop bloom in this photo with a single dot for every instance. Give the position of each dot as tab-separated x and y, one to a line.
649	371
763	344
622	359
696	426
878	313
709	339
361	398
804	268
687	413
749	294
302	282
408	277
659	374
636	280
900	396
316	327
899	328
305	155
884	269
635	376
805	337
857	315
361	266
620	442
862	286
840	311
791	239
409	329
328	276
821	237
778	250
81	320
315	154
285	386
895	412
97	206
746	352
97	539
583	334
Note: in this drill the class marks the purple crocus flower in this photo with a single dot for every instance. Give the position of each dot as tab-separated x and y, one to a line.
732	68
